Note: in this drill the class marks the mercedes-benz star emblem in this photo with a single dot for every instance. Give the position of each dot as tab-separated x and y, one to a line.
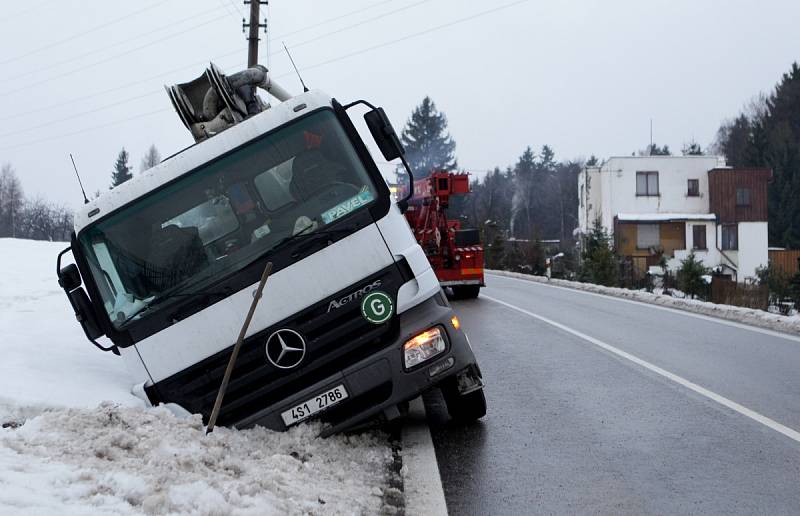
285	348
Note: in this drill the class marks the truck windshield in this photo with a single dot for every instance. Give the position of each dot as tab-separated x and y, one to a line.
220	217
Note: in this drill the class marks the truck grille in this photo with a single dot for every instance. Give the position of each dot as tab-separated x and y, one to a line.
334	341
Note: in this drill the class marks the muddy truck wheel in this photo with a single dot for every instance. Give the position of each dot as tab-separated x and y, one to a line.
464	407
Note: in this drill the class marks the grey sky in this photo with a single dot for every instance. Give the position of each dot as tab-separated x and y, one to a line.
582	76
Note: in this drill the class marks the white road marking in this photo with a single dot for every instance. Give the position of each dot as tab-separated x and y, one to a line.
755	416
422	484
718	320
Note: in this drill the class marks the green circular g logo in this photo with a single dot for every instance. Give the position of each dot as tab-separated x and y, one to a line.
377	307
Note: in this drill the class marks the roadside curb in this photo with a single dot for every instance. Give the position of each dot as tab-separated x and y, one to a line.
422	484
737	314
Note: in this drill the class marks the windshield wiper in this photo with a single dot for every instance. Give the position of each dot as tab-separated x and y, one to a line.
303	234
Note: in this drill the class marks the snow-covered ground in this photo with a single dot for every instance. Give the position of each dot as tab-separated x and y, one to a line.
760	318
75	441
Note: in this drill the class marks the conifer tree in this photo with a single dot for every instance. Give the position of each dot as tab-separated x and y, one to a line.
767	134
690	276
428	145
599	263
692	148
121	172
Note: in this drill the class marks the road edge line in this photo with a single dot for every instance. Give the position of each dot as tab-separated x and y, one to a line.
722	400
422	483
757	325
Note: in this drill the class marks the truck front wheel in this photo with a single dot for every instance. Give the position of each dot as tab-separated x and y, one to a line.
464	407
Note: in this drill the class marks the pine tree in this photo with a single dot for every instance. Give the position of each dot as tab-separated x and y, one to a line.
654	150
150	159
121	172
599	263
690	276
428	145
767	134
692	148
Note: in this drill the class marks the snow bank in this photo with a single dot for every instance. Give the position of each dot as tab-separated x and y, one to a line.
123	460
73	440
732	313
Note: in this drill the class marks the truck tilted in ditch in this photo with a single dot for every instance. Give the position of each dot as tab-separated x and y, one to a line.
353	322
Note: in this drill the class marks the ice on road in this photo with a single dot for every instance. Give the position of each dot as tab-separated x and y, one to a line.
75	441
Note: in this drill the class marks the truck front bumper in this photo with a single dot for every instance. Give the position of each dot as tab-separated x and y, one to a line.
380	382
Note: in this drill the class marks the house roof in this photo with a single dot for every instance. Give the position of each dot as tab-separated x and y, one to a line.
663	217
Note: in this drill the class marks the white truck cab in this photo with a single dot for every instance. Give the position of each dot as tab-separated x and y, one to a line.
352	323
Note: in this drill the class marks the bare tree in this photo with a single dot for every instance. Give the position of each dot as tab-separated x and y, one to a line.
40	220
151	159
11	201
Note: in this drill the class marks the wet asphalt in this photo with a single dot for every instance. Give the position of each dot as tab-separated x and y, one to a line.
574	429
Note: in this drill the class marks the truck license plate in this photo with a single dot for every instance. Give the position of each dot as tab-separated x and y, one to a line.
316	404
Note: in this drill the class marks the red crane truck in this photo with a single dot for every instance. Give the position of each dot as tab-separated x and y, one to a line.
455	253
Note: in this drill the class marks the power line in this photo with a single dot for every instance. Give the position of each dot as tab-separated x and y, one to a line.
409	36
113	89
171	36
111	58
325	22
78	115
236	6
88	129
369	20
24	11
107	59
84	32
118	43
346	56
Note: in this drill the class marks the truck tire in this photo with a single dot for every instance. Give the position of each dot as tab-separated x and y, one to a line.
466	291
464	408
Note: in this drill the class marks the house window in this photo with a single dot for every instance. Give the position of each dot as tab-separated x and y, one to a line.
647	183
730	237
694	188
648	235
743	196
699	237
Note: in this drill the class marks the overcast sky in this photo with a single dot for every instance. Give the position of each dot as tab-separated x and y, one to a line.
584	77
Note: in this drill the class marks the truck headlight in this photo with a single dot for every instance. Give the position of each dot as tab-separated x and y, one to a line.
423	347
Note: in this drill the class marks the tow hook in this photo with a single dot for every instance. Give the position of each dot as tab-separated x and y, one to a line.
469	380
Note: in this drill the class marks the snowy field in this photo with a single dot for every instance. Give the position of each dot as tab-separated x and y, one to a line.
75	441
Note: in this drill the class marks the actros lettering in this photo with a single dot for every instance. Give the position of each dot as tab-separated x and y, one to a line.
358	294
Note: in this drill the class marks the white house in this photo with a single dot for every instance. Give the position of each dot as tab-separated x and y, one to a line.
669	206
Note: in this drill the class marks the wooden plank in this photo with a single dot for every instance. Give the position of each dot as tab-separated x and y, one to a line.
786	260
722	185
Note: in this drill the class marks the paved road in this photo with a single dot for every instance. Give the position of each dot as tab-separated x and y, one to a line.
576	428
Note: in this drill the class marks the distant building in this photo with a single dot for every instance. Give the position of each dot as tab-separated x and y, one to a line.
669	206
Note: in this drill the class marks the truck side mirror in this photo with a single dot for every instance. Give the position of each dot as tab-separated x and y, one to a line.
84	313
384	134
69	278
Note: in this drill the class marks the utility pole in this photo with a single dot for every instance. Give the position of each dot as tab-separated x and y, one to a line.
252	38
